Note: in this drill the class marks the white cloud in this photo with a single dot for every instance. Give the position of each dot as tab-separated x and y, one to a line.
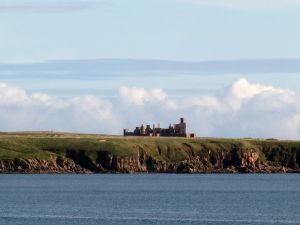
12	95
240	110
140	96
21	111
248	4
242	91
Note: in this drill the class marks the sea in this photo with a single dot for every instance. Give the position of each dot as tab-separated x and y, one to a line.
154	199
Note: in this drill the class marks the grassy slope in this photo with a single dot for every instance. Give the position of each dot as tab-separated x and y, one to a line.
42	145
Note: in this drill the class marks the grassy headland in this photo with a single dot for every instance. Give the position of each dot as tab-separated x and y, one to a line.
155	154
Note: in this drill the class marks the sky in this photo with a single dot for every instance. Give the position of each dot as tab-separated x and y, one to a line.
230	67
195	30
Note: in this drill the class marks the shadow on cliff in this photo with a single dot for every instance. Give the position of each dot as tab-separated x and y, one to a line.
81	158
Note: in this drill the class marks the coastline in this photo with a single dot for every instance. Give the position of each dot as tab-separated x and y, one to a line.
68	166
65	153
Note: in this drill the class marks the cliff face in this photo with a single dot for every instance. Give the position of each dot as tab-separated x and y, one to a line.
234	160
53	165
77	153
244	161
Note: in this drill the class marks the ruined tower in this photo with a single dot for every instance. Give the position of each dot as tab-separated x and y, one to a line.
182	126
177	130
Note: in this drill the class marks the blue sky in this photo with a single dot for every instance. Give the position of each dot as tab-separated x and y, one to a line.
170	29
103	77
229	59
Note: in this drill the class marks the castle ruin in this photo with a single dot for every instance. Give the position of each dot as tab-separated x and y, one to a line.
177	130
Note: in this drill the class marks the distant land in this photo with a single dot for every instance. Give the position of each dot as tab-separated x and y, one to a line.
53	152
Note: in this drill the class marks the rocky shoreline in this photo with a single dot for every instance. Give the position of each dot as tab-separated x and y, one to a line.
245	161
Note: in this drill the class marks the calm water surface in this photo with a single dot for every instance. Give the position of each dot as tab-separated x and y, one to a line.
149	199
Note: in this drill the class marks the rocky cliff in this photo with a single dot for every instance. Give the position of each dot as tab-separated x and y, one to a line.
150	156
53	165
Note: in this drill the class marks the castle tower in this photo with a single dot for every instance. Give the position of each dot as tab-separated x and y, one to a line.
182	127
148	130
142	129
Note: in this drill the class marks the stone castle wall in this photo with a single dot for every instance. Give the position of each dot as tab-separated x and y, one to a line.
177	130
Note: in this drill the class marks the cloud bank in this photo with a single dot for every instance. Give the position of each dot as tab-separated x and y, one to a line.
248	4
243	109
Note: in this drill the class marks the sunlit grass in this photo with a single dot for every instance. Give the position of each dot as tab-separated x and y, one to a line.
40	145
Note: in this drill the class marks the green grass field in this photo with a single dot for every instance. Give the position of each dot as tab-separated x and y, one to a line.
40	145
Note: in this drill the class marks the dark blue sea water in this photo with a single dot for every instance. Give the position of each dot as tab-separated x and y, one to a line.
149	199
